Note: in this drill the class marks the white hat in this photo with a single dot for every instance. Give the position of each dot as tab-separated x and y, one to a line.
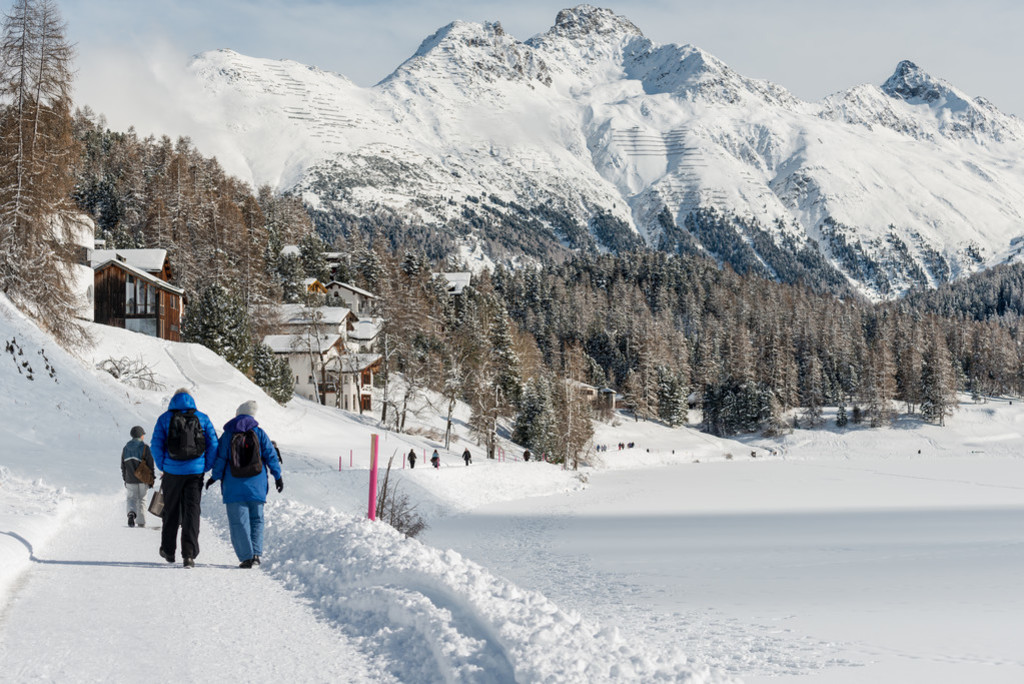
247	409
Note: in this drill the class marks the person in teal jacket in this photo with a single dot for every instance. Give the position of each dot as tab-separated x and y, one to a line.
244	496
182	479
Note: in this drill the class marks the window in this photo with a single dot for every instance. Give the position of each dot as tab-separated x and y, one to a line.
129	296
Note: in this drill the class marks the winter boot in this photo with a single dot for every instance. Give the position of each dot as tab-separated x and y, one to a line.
131	519
255	560
169	557
246	564
188	563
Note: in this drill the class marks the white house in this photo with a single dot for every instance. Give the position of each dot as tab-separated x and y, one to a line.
299	318
345	294
363	335
327	349
308	356
356	380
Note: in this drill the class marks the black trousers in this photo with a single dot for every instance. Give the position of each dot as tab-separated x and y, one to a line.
182	494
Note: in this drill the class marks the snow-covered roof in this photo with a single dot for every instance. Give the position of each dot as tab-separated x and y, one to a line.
140	273
350	287
290	250
299	343
352	363
297	314
365	329
458	281
151	260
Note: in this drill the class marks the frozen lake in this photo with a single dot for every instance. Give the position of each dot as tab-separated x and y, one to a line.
824	571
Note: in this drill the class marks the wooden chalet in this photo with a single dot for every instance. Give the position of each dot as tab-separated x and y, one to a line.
129	297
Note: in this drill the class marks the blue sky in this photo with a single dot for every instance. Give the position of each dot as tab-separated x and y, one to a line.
811	47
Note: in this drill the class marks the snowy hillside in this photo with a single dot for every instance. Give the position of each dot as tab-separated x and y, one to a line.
828	555
591	135
362	602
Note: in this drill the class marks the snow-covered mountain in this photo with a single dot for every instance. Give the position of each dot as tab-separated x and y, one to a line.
592	136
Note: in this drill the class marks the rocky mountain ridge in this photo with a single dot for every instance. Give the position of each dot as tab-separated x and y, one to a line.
590	136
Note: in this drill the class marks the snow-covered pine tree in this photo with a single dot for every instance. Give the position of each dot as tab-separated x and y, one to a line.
841	418
273	374
938	381
38	152
535	422
672	393
313	256
219	322
811	392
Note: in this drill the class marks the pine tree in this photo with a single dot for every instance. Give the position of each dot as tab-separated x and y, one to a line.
938	382
535	423
671	396
841	418
313	257
219	322
273	374
37	155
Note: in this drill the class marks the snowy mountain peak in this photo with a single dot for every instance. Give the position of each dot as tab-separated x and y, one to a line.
912	83
467	52
584	21
592	136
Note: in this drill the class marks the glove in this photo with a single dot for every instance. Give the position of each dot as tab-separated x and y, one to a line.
209	482
279	483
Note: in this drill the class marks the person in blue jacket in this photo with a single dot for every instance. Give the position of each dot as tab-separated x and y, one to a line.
183	456
244	496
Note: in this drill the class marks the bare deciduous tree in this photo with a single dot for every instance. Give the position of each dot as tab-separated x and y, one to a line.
37	155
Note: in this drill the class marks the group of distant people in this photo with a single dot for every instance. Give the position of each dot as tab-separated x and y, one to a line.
435	458
184	448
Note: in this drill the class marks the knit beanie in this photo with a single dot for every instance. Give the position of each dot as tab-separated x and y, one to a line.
247	409
137	432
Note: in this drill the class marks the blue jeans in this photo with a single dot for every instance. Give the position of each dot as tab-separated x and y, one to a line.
245	522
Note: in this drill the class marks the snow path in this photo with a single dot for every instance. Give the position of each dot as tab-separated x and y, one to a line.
198	625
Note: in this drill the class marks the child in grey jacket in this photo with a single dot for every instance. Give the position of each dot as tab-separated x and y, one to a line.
135	452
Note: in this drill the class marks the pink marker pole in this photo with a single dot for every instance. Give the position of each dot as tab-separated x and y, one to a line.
373	477
339	464
349	458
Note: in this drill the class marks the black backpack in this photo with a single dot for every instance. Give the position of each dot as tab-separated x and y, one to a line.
245	454
185	438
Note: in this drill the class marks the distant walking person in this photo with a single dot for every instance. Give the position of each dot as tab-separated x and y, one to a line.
137	469
435	459
412	458
467	457
184	446
245	456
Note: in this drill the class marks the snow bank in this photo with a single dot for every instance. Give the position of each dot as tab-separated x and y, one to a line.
439	617
30	514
